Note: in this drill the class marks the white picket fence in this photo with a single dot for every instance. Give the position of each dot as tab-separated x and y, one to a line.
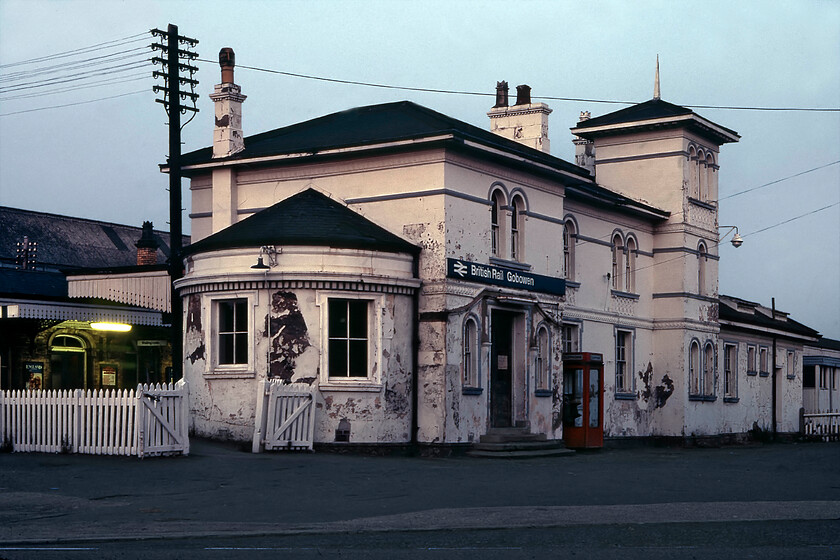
147	421
823	425
285	417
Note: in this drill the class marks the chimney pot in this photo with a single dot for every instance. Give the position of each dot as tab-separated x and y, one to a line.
523	95
227	61
501	94
147	245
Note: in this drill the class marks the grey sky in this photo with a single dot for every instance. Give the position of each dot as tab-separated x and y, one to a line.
99	160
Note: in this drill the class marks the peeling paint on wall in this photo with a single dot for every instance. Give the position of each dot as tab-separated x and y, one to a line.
658	394
289	337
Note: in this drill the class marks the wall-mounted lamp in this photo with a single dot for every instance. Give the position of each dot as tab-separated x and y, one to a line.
269	251
737	240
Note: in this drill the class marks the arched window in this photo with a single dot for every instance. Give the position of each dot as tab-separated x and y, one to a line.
470	357
496	223
569	240
517	220
708	380
702	258
693	187
630	265
694	368
708	173
543	365
617	248
701	175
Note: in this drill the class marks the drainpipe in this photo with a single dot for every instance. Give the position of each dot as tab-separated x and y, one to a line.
773	311
415	382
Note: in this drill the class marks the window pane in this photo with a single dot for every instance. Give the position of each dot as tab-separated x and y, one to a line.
358	318
338	358
226	349
241	347
337	318
226	316
241	315
594	393
358	358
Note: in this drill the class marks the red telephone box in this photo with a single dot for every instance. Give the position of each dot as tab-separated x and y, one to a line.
583	400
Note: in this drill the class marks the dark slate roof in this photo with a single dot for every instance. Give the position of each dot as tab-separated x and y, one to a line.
307	218
728	312
373	124
66	243
649	110
829	344
653	109
32	283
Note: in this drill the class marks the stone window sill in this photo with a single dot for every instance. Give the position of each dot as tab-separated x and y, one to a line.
472	390
628	295
731	399
355	386
624	396
702	398
543	393
752	373
516	265
764	374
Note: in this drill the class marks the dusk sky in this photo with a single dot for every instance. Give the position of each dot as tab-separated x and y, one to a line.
65	148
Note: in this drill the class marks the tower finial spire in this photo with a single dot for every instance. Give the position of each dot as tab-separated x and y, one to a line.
656	80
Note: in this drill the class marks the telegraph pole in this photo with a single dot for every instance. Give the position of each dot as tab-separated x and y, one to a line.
172	97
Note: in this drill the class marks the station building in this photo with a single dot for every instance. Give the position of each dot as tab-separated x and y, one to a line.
429	277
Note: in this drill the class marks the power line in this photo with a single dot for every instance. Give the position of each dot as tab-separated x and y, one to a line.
485	94
72	104
100	83
98	46
84	63
792	219
778	180
105	71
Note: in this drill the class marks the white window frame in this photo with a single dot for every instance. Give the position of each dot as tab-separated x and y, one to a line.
791	364
470	358
570	344
628	378
709	369
730	370
373	381
630	250
542	366
617	249
569	241
517	228
211	310
695	359
763	361
752	359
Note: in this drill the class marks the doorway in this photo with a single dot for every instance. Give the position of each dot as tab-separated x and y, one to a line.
501	369
68	363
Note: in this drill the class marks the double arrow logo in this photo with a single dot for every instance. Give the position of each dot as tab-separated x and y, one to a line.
460	268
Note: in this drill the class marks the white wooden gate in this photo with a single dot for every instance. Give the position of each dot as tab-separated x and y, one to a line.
163	419
285	417
822	425
151	420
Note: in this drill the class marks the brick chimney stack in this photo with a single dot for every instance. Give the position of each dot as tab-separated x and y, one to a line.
228	98
147	246
525	122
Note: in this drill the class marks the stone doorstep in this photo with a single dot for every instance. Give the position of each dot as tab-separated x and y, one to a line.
518	445
521	454
506	435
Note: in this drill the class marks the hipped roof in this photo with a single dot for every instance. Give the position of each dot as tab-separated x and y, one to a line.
307	218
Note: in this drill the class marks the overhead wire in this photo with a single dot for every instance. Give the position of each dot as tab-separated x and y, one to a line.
487	94
82	50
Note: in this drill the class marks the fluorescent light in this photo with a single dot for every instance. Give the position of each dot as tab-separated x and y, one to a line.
118	327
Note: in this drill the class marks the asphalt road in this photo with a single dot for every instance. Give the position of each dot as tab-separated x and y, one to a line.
767	501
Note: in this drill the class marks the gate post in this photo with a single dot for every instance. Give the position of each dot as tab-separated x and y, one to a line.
263	388
139	420
184	423
77	420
